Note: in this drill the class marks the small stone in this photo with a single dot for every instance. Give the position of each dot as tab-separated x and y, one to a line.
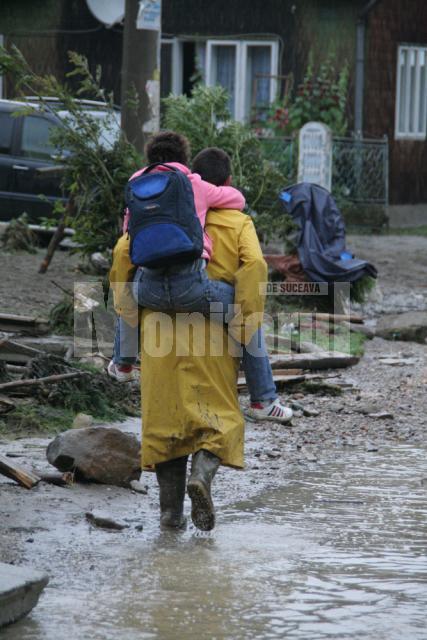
273	455
370	446
311	413
310	457
297	406
381	415
105	521
82	420
135	485
100	262
139	527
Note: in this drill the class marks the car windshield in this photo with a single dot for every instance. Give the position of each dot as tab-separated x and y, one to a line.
109	124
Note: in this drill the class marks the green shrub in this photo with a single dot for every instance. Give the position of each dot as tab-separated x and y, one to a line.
206	121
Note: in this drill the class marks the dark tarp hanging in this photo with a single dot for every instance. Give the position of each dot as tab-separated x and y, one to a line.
321	236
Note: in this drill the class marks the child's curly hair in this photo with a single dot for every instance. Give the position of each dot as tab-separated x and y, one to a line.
168	146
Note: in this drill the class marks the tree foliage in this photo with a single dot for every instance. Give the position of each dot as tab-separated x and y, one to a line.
206	121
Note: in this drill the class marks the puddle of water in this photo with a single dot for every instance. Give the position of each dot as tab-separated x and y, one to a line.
339	552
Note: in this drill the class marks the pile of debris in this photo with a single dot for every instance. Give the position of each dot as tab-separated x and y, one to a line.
40	377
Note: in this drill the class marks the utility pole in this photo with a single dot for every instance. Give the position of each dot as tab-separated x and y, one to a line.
141	70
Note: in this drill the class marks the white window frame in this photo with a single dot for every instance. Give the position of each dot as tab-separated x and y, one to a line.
412	102
241	72
274	64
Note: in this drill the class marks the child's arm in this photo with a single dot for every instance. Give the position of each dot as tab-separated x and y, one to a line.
223	197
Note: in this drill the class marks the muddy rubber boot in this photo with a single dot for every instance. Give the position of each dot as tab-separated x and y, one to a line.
203	468
171	477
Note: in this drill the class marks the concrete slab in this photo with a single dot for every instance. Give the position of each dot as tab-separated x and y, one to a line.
410	326
20	588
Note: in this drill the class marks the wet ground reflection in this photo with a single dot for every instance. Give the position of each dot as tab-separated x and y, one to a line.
339	551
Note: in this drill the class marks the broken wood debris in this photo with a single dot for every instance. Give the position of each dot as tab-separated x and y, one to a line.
321	360
13	347
285	346
23	324
15	472
328	317
58	479
36	381
281	377
21	349
6	404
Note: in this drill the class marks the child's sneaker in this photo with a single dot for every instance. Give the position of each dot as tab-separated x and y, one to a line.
275	412
122	372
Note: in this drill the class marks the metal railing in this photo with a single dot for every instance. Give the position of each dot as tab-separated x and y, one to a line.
359	167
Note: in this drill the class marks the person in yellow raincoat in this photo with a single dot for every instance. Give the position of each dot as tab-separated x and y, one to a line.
189	371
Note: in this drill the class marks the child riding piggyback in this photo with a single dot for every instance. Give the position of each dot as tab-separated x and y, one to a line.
173	149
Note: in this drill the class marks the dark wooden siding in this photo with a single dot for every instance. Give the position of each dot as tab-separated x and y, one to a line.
321	26
45	30
391	23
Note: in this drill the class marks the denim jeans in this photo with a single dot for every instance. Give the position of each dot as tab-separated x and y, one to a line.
193	291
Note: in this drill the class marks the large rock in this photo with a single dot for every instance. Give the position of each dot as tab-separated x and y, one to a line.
411	326
99	454
20	588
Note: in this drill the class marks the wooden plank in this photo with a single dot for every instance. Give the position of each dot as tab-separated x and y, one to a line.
279	379
13	323
11	351
15	472
323	360
19	348
328	317
30	382
288	372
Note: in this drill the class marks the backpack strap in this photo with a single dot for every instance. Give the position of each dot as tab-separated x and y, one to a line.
158	164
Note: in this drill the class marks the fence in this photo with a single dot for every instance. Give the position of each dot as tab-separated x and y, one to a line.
359	167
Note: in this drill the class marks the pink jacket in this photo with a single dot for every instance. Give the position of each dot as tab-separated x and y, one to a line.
206	196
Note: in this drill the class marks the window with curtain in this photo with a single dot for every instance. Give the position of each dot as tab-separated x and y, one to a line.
224	71
411	93
247	69
258	72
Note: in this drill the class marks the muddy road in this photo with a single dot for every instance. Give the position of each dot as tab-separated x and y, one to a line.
401	262
322	536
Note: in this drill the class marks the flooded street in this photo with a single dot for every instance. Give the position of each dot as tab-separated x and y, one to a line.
336	550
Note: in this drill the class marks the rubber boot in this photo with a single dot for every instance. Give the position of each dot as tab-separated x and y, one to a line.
171	477
203	468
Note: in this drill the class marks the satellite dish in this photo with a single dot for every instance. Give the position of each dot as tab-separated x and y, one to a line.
108	12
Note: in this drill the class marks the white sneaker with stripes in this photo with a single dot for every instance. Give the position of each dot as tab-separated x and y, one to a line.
274	412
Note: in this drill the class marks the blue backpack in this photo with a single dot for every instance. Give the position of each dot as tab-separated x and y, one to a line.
163	226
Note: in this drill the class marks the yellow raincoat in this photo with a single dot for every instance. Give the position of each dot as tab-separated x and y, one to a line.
189	394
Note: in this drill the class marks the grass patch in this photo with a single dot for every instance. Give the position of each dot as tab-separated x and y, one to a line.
408	231
35	419
51	408
341	340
